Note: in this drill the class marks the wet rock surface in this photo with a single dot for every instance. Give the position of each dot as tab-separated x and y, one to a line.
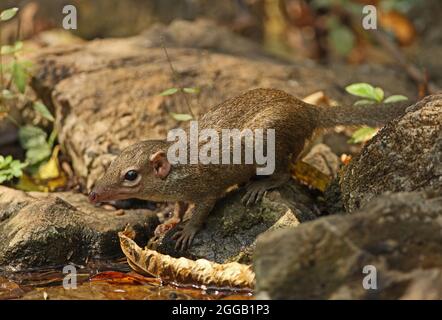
399	234
406	155
38	229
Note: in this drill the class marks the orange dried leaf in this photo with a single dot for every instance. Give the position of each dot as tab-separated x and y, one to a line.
122	278
311	176
345	159
399	25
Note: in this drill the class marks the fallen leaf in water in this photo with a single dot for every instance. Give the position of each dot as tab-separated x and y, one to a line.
9	289
184	271
124	278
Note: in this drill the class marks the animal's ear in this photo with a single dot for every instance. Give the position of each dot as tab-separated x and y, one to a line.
160	164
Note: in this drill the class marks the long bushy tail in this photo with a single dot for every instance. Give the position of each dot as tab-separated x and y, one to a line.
370	114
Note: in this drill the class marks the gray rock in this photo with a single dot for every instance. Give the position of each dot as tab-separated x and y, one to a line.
323	159
231	229
38	229
398	234
406	155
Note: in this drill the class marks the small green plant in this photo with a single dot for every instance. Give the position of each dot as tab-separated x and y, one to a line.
10	168
369	95
37	144
14	78
18	70
172	91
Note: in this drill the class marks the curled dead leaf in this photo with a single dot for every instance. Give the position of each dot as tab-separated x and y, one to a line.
184	271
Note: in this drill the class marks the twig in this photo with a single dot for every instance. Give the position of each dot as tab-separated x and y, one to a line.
413	72
1	61
17	34
176	79
10	118
17	38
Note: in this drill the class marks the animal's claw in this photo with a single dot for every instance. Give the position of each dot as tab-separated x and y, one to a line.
254	194
185	236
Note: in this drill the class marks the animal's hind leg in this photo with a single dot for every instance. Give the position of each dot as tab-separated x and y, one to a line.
256	189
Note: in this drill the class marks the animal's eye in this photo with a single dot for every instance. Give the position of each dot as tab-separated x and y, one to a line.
131	175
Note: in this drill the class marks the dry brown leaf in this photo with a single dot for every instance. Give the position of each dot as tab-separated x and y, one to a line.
123	278
319	98
345	159
399	25
184	271
311	176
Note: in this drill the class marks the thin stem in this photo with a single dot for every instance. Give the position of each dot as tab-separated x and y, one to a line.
1	62
176	79
10	118
17	34
52	137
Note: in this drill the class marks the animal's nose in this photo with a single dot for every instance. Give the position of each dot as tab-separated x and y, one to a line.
93	197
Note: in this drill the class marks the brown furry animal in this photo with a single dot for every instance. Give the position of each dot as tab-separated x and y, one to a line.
143	170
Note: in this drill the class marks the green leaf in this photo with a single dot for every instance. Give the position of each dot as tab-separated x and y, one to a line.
379	94
19	76
10	168
395	98
16	168
38	154
341	39
363	90
6	49
169	92
31	137
43	111
3	177
4	162
8	14
52	137
181	116
191	90
363	102
363	134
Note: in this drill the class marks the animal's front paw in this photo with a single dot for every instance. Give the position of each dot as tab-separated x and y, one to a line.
184	237
166	226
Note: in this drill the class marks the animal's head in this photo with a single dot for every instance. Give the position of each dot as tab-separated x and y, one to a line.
138	172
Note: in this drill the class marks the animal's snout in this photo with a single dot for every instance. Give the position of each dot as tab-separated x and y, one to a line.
93	197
